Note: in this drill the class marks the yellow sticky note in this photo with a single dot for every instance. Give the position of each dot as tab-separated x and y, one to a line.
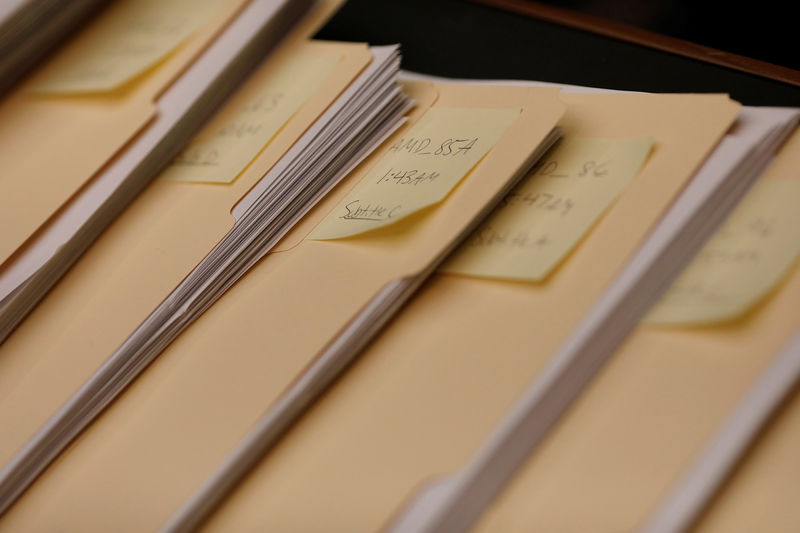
419	170
236	135
550	211
127	39
741	263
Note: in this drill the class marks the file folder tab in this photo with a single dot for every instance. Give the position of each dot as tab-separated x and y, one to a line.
419	170
546	216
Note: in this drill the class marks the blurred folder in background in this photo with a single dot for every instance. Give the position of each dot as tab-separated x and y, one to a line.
105	114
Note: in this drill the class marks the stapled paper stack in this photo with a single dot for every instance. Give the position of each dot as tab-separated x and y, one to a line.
140	81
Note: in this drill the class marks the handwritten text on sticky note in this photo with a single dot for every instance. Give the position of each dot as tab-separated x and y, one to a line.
127	39
418	170
741	263
247	123
547	214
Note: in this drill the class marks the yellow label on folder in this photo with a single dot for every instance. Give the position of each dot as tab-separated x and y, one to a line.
419	170
741	263
236	135
538	224
127	39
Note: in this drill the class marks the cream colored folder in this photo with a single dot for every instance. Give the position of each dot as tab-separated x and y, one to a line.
762	494
214	382
52	144
136	263
431	388
631	436
29	29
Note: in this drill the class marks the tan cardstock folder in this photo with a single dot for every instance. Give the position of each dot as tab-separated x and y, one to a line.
134	266
52	145
170	430
763	494
650	411
433	386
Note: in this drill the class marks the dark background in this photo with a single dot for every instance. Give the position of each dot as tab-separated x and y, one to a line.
766	30
459	38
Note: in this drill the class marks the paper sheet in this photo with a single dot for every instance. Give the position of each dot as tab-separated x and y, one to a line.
224	148
742	263
547	215
127	39
418	170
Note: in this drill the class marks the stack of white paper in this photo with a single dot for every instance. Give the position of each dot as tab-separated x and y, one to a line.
359	120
